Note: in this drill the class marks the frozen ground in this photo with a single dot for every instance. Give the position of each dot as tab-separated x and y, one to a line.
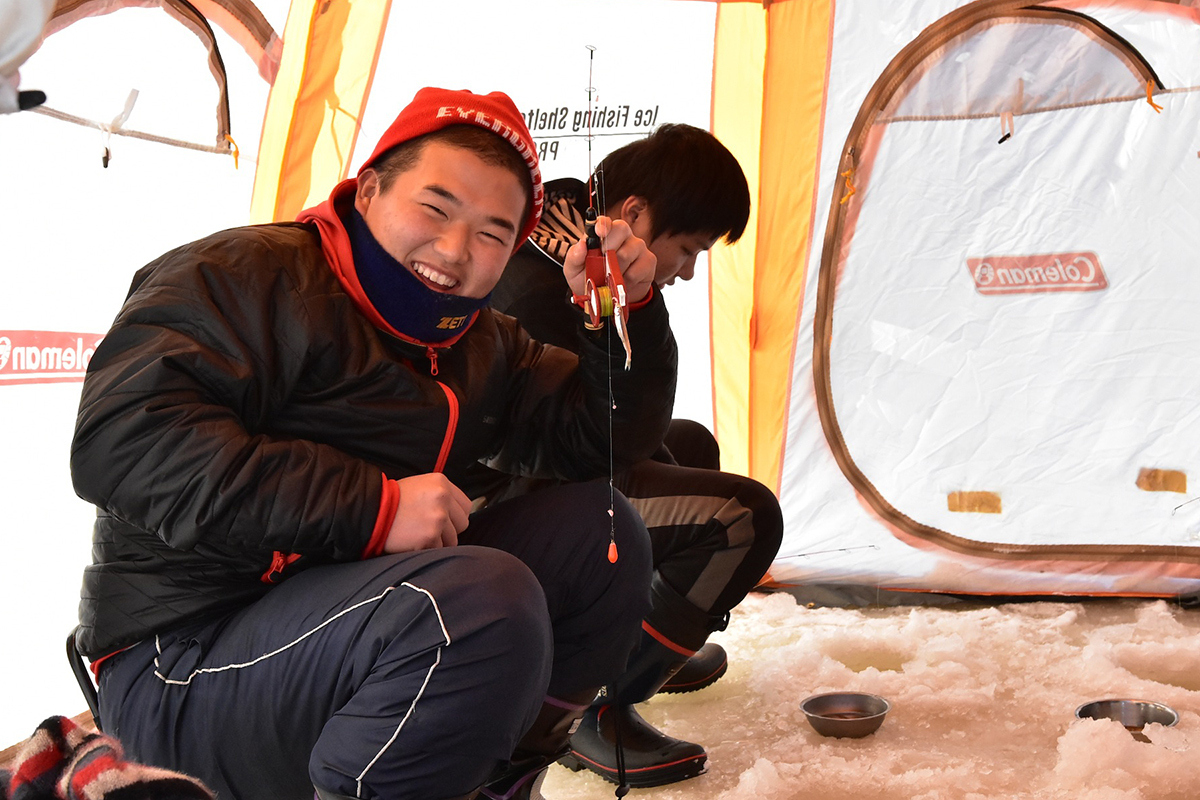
983	701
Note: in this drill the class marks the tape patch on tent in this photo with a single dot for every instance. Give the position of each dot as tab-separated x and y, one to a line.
974	502
1162	480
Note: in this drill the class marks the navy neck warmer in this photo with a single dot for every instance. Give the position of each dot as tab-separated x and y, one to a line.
408	305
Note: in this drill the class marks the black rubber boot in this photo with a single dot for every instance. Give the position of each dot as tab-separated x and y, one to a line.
703	669
651	757
671	634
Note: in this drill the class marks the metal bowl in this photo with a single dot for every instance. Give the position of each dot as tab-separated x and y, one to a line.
1133	714
845	715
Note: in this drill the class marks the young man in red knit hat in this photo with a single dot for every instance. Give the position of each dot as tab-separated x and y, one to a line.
713	534
289	591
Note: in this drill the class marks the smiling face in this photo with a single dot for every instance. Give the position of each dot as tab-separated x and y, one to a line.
451	218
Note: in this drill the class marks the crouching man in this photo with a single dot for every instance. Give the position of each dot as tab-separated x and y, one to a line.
289	592
713	534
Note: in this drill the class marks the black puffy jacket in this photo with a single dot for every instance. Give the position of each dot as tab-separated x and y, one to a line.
239	418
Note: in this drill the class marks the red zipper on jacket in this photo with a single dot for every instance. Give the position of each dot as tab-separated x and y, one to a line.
279	562
452	403
451	428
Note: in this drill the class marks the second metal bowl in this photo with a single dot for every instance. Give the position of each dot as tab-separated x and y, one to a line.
1133	714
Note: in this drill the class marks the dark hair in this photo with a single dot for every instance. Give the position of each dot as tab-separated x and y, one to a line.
490	147
692	183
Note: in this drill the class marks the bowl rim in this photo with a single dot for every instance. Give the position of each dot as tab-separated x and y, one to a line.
1153	703
887	705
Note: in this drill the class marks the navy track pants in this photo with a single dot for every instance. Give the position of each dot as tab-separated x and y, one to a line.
403	676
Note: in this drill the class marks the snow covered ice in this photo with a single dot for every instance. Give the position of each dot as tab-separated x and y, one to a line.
983	704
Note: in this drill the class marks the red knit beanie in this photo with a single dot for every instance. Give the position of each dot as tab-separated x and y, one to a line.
433	109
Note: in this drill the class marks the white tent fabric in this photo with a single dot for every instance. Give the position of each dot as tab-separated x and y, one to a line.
1008	317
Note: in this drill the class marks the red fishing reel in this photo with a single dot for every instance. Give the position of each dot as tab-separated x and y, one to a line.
604	291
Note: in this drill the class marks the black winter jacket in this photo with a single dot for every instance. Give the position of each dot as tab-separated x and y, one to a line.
239	419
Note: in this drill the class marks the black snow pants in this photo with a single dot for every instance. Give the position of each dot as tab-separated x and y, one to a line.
713	534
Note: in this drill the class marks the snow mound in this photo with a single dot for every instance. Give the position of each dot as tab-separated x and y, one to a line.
983	702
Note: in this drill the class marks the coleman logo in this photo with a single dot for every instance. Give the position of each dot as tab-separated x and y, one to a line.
45	356
1057	272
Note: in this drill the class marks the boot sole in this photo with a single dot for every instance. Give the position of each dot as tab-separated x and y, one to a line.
708	680
645	777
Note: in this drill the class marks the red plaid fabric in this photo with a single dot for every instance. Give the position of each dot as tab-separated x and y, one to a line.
62	761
